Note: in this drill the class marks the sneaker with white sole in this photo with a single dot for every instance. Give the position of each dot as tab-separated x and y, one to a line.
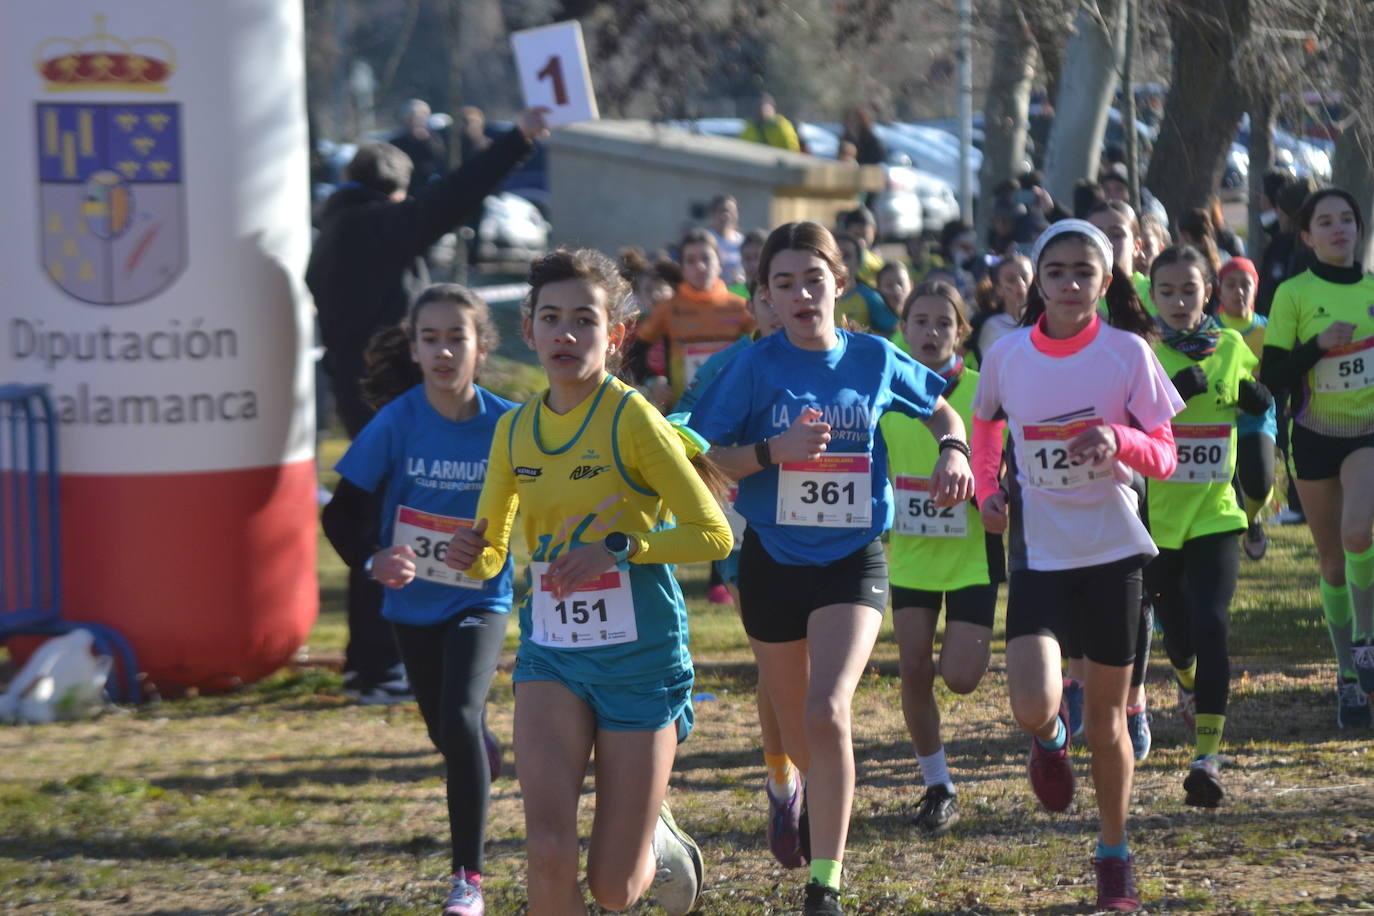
465	898
678	866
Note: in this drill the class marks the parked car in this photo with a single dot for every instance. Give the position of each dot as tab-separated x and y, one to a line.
512	229
1304	158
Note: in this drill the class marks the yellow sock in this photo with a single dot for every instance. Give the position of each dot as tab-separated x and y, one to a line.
1253	507
1209	728
1187	676
780	769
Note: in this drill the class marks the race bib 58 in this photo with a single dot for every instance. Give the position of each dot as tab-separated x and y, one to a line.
1347	368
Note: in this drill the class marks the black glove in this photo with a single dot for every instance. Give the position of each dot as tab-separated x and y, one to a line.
1254	398
1189	382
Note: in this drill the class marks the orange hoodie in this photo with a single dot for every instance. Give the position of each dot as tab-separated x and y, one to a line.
697	323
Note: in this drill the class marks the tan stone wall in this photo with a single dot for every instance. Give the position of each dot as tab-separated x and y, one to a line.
619	183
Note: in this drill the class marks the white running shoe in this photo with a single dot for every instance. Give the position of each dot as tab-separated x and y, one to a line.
677	860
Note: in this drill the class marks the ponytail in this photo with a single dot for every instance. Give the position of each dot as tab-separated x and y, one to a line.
716	481
1126	311
391	371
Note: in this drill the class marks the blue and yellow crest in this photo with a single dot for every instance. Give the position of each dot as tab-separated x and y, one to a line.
111	199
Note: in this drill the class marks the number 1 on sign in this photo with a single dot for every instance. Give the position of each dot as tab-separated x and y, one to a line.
553	71
552	63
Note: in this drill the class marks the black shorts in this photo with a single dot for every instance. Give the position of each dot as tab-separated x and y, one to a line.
1319	457
777	599
1095	608
976	604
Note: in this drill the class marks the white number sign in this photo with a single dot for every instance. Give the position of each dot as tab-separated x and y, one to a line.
552	61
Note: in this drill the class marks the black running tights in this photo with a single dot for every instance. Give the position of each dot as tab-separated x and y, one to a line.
450	666
1193	587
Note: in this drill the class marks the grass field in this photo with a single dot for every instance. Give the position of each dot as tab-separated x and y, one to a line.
284	798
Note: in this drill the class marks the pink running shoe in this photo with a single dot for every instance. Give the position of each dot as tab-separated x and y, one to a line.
1051	774
719	594
1116	885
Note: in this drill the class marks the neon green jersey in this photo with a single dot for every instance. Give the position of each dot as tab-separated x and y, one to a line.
1198	499
1338	392
952	552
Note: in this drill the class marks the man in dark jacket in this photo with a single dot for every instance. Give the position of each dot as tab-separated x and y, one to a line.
366	268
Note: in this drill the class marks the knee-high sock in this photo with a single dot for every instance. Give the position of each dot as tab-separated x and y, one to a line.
1359	578
1336	606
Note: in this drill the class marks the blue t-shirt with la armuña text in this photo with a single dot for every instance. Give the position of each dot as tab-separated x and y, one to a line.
431	470
766	387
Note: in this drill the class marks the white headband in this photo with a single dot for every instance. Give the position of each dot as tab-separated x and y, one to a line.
1081	227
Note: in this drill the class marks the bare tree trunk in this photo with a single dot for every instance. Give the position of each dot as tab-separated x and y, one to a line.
1260	147
1199	123
1353	167
1046	23
1089	78
1004	111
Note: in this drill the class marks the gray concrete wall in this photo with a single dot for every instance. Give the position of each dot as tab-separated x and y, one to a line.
619	183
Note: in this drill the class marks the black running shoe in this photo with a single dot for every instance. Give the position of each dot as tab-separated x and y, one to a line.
822	901
937	811
1202	785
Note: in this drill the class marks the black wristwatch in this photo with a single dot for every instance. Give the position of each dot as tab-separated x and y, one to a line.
617	544
763	454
